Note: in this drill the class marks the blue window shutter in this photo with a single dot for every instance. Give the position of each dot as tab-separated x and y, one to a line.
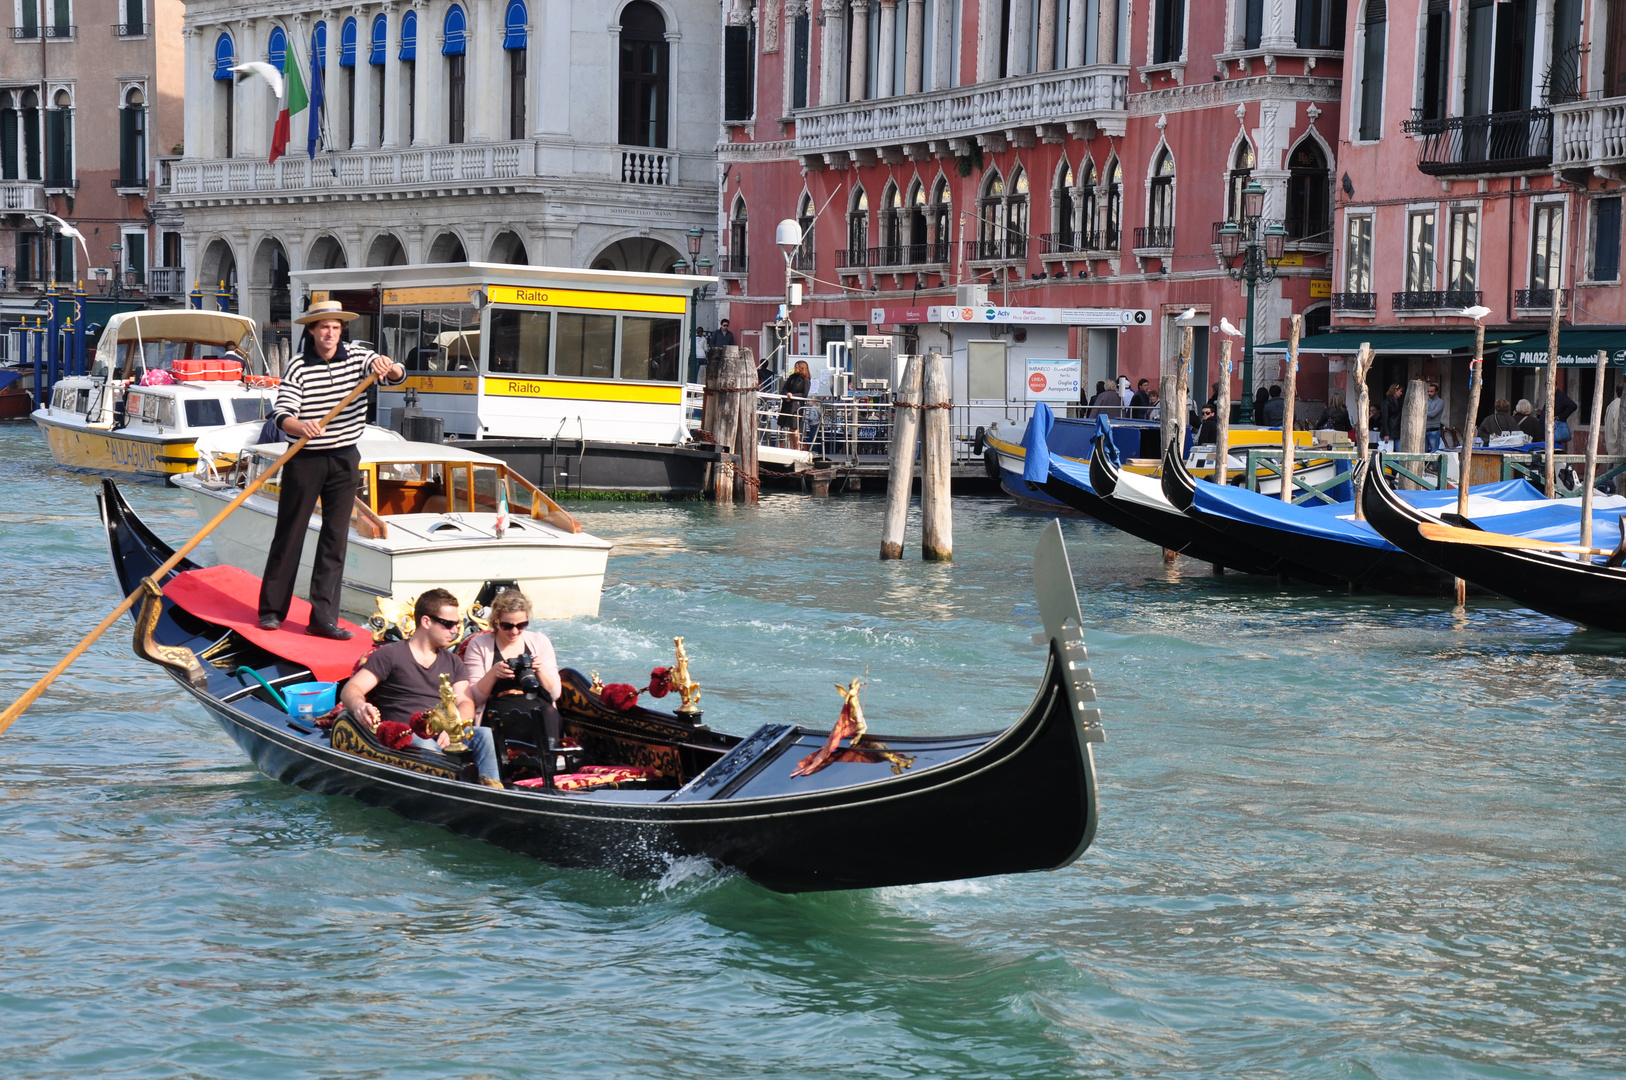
277	48
454	32
513	36
409	36
225	57
319	45
347	43
381	34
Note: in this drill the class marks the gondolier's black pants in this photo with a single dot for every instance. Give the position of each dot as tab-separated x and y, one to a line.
332	476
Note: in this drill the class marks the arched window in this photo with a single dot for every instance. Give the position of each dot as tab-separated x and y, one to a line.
737	238
857	231
803	258
941	221
915	233
347	64
377	54
1063	212
133	139
225	81
409	73
1241	173
891	226
1016	217
59	142
319	46
514	39
9	159
1113	226
1089	238
409	36
644	75
454	42
988	216
276	47
1309	193
1160	203
347	43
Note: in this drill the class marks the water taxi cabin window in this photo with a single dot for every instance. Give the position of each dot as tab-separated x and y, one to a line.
586	346
204	412
519	342
250	408
651	348
432	339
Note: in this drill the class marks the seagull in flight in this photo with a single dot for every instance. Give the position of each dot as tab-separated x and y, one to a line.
1476	312
271	75
1227	328
39	217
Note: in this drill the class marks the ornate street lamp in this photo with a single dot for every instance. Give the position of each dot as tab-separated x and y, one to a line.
1251	251
695	234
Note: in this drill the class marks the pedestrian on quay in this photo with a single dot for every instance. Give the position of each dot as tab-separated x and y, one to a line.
1389	417
1529	423
1275	408
790	410
722	337
1337	418
1434	419
1261	398
1139	403
1154	411
328	467
1612	441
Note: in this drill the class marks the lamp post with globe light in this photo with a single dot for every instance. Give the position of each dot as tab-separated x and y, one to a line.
787	237
1252	251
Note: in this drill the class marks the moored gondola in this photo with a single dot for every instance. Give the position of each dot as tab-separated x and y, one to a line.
1584	592
889	811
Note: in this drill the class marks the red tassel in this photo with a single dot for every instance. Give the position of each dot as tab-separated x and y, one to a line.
659	684
620	696
394	734
420	726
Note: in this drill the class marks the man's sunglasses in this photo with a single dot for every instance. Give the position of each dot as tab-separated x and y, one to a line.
514	627
449	624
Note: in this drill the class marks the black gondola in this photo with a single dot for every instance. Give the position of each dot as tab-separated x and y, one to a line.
1313	554
1582	592
940	808
1172	529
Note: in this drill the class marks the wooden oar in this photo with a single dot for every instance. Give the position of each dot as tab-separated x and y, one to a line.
18	707
1451	534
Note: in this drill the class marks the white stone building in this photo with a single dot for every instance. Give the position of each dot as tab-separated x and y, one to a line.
540	131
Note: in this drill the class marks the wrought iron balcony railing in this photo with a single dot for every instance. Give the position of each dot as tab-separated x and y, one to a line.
1067	243
1541	298
129	29
997	249
852	258
1154	236
733	262
1435	299
1354	301
1496	142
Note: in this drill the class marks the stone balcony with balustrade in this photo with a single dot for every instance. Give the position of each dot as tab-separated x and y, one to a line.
462	169
949	122
1590	134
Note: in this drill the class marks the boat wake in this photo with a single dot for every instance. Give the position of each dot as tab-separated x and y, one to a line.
689	874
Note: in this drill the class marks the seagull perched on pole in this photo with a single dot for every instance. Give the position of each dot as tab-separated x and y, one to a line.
1476	313
271	75
1186	316
1227	328
39	218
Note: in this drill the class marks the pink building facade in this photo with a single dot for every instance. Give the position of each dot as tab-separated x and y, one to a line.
1482	153
1064	153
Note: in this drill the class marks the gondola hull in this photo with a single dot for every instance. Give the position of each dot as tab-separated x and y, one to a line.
1017	800
1585	593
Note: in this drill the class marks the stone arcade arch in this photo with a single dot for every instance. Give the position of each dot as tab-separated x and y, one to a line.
638	253
386	250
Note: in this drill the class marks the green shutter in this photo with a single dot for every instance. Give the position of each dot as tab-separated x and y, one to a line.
129	168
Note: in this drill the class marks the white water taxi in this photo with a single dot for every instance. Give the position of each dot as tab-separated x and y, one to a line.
159	380
427	515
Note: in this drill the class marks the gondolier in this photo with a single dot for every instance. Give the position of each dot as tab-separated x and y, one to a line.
327	468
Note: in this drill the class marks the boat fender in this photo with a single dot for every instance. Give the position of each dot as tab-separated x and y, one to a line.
980	442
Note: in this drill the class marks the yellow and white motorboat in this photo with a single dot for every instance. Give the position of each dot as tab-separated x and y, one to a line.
427	515
160	379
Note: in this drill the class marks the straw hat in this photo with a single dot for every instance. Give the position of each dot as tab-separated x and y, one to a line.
325	309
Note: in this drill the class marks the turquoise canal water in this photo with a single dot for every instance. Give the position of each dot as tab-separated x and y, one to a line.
1340	837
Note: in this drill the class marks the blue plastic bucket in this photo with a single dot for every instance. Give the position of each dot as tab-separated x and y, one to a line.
312	699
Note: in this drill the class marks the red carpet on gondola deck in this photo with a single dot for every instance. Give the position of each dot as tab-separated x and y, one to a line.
229	596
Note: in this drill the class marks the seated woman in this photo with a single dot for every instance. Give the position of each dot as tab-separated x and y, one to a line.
487	656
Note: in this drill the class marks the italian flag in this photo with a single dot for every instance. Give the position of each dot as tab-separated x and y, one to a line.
293	101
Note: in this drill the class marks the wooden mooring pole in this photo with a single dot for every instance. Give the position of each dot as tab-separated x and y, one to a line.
1222	417
1413	415
1289	393
1592	449
900	473
1476	384
730	416
936	450
1363	424
1552	389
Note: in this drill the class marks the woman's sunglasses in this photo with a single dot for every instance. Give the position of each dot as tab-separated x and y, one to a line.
514	627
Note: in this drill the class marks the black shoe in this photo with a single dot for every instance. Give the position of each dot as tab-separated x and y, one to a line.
270	622
337	633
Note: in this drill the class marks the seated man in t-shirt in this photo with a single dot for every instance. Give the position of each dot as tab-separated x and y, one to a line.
403	678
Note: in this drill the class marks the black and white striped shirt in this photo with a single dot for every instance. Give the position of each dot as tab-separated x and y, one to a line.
311	387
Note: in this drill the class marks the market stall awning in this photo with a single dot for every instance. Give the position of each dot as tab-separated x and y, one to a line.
1576	348
1416	343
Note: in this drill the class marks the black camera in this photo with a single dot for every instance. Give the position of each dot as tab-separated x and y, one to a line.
524	669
